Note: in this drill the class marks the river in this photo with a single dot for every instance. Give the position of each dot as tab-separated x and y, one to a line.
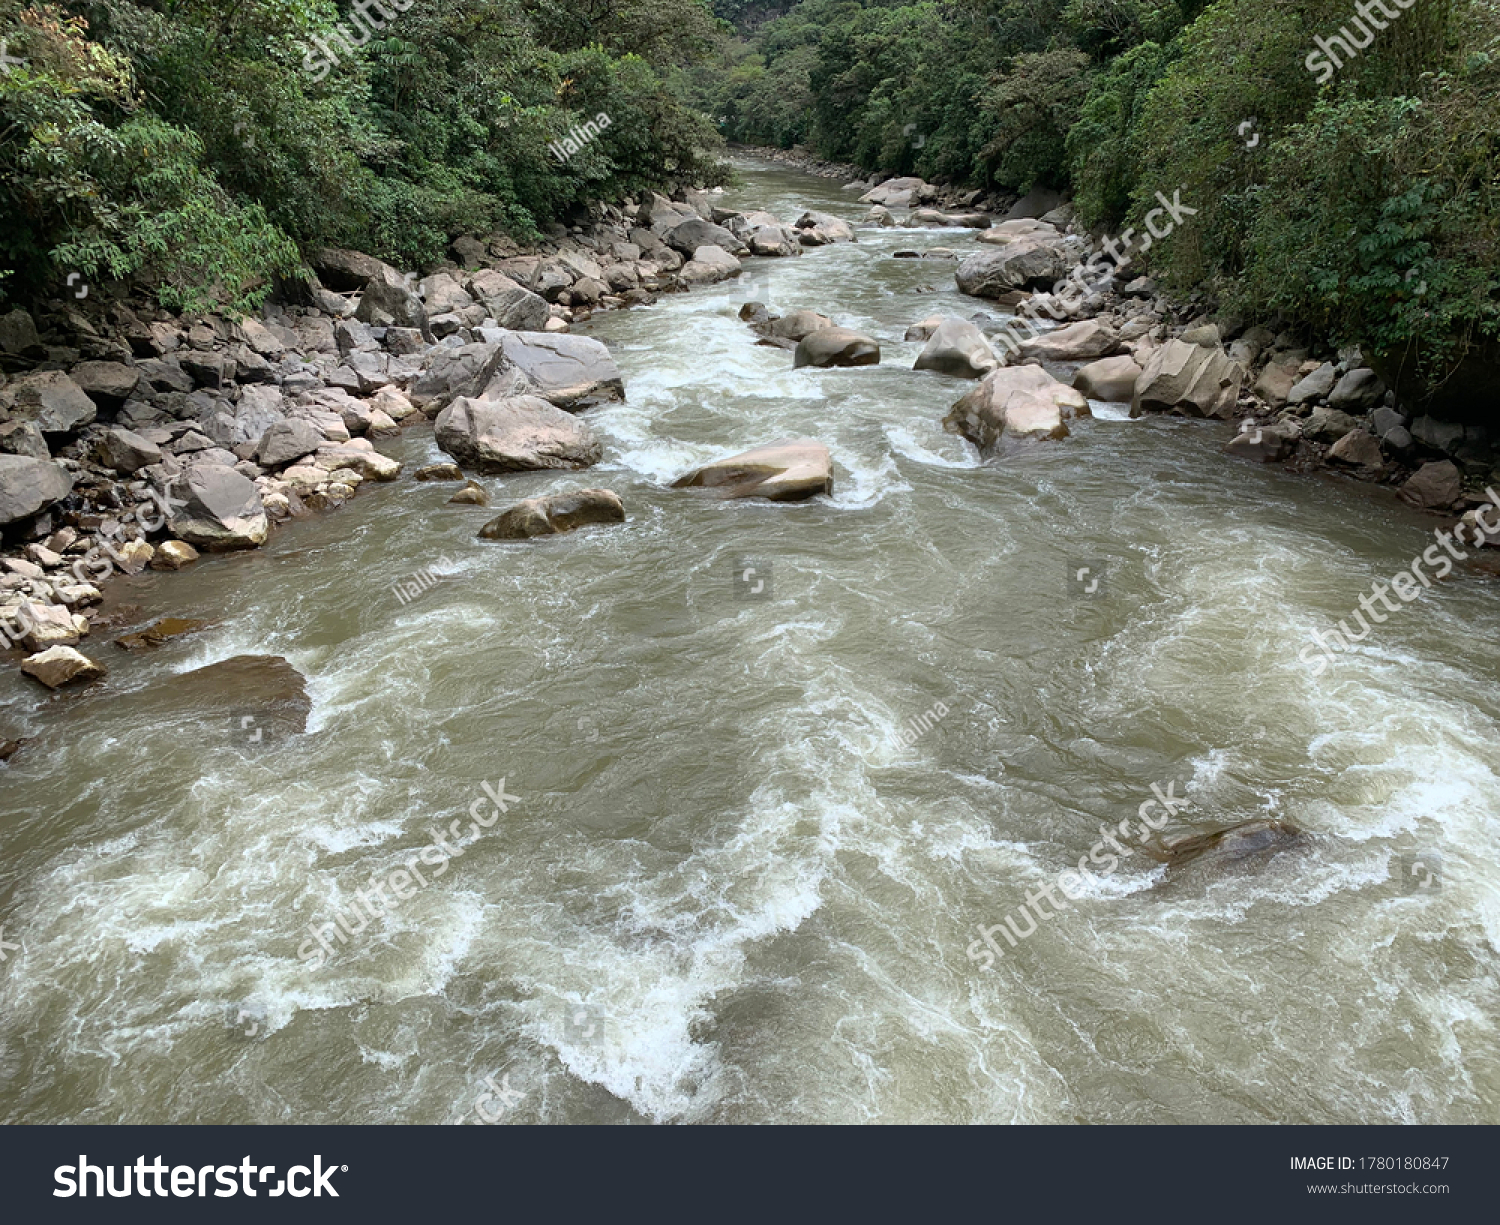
728	890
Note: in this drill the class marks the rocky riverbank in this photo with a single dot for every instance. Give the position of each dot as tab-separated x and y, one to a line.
132	439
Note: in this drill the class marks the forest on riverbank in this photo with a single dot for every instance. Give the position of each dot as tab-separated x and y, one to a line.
201	145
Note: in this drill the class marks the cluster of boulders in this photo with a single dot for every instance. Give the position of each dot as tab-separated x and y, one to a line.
815	340
1117	339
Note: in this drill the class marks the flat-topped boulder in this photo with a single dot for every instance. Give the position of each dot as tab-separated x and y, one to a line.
1082	341
571	372
1024	264
709	265
1016	404
894	193
836	346
59	666
1012	231
554	514
516	434
785	471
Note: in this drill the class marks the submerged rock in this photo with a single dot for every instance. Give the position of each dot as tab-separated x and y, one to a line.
1228	846
785	471
257	696
554	514
836	347
158	632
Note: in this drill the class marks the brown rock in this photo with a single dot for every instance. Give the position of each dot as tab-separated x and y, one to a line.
784	471
158	632
557	513
59	666
471	494
1435	486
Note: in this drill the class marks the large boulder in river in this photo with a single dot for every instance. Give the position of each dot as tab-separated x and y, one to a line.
28	486
1016	404
785	471
571	372
1082	341
509	304
1026	263
798	324
1189	380
516	434
1110	378
816	229
836	347
556	513
958	348
251	700
774	240
221	510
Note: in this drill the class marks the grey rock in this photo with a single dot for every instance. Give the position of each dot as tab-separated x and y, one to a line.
28	486
515	434
1357	391
554	514
286	441
221	510
50	400
126	451
571	372
1316	386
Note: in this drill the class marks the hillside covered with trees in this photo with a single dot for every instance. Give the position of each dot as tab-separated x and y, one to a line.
198	144
1360	202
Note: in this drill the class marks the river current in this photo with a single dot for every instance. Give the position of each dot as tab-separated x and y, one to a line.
729	888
